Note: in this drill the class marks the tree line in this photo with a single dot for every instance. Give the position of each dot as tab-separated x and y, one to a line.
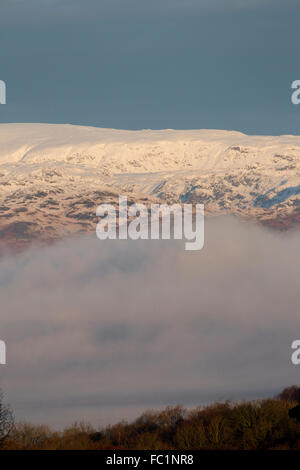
248	425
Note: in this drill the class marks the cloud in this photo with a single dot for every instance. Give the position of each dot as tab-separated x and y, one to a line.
101	330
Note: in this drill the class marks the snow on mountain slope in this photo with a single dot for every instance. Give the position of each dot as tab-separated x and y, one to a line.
52	177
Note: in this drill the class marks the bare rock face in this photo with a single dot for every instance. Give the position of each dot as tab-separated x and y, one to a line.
52	177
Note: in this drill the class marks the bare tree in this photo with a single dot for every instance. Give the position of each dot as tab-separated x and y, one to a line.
290	394
6	419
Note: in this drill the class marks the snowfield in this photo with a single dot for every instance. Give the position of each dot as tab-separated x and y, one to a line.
52	177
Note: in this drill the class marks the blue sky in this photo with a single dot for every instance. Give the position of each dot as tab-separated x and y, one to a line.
152	64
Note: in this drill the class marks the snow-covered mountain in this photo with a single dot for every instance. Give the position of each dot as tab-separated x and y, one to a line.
52	177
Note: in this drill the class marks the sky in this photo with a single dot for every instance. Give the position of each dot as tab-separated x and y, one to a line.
135	64
102	330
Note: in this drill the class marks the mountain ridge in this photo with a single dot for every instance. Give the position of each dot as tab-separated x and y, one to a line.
53	176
